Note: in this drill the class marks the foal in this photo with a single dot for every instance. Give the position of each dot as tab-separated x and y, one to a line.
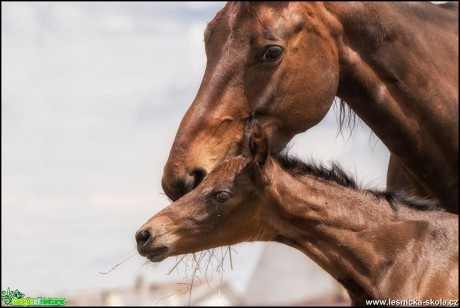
378	245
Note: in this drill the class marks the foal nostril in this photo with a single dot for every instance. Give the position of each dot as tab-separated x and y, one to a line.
198	175
142	237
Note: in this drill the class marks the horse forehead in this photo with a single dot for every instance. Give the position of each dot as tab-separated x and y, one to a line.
270	12
240	13
248	19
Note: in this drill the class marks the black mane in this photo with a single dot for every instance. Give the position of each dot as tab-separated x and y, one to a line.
333	174
336	174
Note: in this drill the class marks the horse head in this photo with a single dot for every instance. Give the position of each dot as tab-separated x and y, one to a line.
275	60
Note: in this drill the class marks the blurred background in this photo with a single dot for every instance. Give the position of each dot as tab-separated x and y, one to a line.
92	96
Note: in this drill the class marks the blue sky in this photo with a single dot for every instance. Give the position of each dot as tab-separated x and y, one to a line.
92	96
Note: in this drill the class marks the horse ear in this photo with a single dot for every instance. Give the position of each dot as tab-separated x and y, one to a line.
258	145
257	142
255	145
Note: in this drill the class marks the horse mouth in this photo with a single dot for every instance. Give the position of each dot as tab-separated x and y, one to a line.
157	254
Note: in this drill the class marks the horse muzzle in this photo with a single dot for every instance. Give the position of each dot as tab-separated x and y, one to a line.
176	186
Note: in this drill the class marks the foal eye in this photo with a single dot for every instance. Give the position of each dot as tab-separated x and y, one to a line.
222	196
271	53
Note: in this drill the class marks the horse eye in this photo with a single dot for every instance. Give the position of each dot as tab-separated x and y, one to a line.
271	53
223	196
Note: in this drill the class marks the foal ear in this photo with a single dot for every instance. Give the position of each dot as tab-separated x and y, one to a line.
255	146
257	142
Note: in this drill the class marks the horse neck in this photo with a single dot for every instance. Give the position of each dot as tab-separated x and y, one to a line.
395	67
352	235
397	58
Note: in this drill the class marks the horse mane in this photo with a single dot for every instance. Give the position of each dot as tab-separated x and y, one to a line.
450	5
297	167
345	115
336	174
404	197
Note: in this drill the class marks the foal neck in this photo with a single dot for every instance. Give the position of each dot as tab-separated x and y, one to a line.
355	236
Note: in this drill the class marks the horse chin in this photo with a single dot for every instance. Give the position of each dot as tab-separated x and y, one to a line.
158	254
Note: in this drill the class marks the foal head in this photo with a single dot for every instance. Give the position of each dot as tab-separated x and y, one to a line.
223	210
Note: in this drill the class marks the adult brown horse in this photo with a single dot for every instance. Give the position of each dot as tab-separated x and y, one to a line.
395	65
378	245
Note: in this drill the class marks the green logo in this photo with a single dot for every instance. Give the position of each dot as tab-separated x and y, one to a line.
16	298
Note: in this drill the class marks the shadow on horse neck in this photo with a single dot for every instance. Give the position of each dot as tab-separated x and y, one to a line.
377	244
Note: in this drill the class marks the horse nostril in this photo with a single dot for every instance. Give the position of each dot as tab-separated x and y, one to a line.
180	186
198	175
142	237
175	190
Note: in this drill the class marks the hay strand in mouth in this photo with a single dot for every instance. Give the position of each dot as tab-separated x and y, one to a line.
117	265
175	266
195	270
167	296
230	256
